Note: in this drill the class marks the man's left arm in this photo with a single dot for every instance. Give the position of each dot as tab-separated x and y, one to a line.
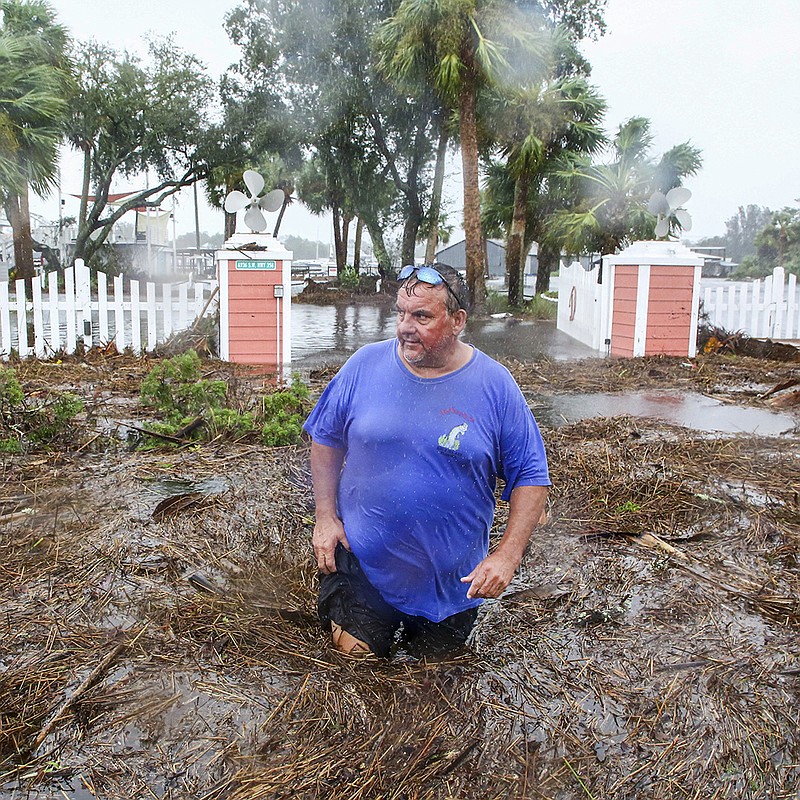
492	575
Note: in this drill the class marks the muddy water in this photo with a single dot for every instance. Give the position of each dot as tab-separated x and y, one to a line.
687	409
329	334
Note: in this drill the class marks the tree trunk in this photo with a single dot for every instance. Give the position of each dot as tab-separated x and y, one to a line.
414	216
230	225
87	181
436	197
196	219
337	237
410	233
472	203
379	247
346	218
287	198
341	229
515	257
51	256
20	219
548	260
357	250
230	219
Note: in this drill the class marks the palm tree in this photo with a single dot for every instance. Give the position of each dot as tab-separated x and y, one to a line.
779	241
35	80
613	210
542	126
462	46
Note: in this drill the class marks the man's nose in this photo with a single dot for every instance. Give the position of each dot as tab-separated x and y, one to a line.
405	323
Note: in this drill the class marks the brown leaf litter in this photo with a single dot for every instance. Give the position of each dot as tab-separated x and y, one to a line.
158	634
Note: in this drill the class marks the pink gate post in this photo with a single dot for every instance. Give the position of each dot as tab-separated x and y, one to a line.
655	299
254	271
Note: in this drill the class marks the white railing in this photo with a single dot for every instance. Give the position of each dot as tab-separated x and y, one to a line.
64	311
768	308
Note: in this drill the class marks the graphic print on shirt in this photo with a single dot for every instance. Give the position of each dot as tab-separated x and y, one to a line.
451	441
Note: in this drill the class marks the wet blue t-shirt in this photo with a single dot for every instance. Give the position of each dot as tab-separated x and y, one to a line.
416	494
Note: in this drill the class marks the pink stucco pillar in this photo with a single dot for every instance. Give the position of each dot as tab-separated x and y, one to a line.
655	299
255	301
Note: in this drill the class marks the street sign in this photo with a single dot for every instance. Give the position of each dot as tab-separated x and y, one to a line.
250	263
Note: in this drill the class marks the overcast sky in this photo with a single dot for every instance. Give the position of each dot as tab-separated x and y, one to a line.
722	74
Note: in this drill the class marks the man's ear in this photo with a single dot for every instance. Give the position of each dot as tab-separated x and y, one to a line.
459	320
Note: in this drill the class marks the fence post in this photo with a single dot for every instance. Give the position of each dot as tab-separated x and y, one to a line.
119	313
38	317
5	321
755	311
83	301
792	329
54	313
152	330
729	316
136	318
102	307
22	320
776	303
71	316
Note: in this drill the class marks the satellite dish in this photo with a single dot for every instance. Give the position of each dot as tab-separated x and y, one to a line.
253	218
668	206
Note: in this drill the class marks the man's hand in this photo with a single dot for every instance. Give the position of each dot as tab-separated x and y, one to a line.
491	577
326	466
328	532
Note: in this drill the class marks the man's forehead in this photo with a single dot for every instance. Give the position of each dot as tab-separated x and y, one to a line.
422	293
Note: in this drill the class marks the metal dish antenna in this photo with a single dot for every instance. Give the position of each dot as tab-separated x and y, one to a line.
255	205
668	207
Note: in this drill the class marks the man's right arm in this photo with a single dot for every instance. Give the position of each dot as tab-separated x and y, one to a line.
326	469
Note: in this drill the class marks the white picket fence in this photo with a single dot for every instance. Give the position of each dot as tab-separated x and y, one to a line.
768	308
63	312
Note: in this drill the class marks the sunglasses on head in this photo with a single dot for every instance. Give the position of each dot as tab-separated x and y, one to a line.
427	274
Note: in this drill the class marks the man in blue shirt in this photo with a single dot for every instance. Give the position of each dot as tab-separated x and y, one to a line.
407	442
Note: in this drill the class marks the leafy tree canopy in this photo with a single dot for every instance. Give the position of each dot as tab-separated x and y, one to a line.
363	135
777	245
146	121
741	230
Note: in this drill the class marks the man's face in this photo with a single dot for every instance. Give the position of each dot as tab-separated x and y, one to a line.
427	333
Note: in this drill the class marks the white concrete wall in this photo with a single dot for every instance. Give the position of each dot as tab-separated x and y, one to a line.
583	305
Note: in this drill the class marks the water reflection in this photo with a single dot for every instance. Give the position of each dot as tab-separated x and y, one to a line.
330	334
687	409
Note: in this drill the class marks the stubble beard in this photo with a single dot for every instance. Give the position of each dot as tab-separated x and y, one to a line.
414	360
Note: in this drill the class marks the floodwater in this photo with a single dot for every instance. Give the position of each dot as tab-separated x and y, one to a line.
687	409
327	335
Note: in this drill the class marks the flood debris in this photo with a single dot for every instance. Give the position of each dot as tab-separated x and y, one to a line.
91	678
175	504
718	340
158	633
778	397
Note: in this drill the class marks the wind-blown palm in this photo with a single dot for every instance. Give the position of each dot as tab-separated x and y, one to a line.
460	46
613	210
34	84
548	125
30	110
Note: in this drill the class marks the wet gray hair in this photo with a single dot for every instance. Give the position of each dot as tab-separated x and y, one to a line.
458	296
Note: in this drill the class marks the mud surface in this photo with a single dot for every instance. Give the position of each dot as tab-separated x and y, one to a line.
648	648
